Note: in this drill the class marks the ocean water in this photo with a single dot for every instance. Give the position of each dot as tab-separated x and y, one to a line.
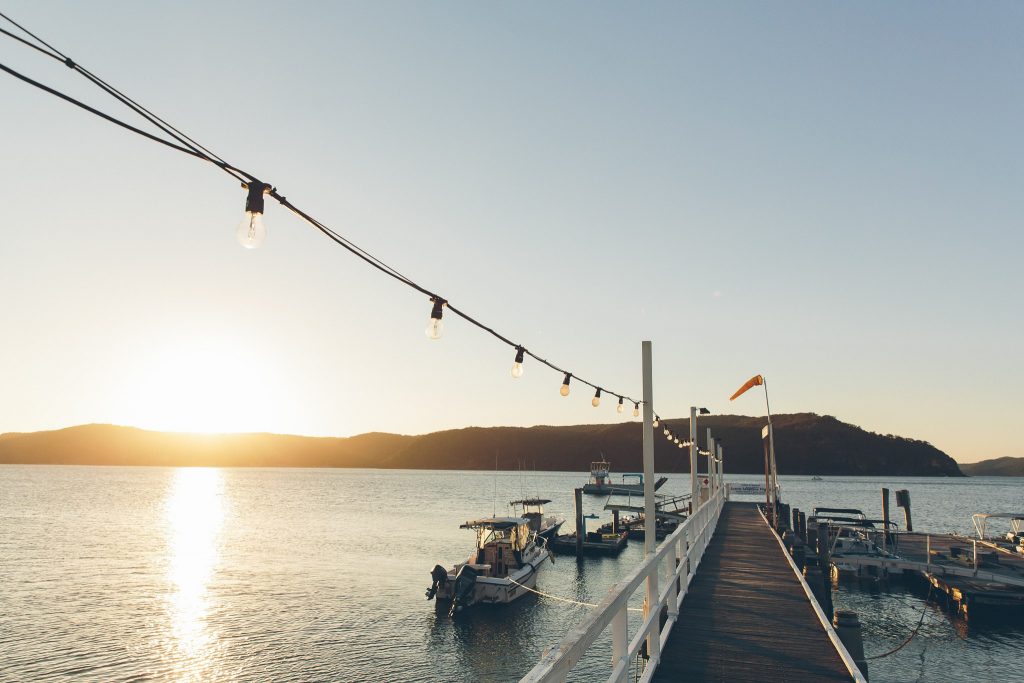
192	574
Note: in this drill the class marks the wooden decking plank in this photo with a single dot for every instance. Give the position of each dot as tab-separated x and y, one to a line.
745	616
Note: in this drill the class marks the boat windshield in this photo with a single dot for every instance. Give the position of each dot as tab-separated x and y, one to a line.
516	536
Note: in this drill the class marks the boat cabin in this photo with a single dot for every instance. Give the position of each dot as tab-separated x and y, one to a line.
599	472
533	510
500	543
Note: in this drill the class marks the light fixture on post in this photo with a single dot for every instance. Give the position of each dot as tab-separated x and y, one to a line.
251	232
596	401
517	366
619	408
435	327
564	391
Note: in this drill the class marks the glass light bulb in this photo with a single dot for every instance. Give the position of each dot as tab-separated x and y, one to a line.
665	432
655	422
435	328
667	435
517	370
564	391
595	401
619	408
680	445
251	232
636	412
677	439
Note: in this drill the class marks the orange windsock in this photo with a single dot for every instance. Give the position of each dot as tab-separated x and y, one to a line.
756	380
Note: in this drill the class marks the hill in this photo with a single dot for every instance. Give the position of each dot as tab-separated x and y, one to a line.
805	444
996	467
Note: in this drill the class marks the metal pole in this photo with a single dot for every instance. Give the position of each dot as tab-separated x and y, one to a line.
650	540
711	461
718	466
693	459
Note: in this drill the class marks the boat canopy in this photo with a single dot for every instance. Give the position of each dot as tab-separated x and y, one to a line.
533	502
981	520
633	474
500	523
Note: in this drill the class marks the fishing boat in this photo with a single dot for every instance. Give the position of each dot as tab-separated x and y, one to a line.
601	484
502	567
533	510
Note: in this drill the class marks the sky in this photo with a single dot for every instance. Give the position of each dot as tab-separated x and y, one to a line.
825	193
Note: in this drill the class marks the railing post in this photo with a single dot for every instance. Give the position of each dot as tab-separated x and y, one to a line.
650	518
620	640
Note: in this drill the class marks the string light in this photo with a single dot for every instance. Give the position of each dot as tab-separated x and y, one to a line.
657	420
596	401
668	435
435	327
666	431
619	408
636	410
517	366
251	232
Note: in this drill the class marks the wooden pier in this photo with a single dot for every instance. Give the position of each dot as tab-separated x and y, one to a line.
747	616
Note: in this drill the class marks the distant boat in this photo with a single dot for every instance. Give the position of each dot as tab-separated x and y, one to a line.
601	484
533	510
817	478
502	568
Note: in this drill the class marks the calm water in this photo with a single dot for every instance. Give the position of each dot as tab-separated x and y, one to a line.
130	574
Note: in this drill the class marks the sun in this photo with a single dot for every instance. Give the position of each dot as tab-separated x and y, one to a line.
203	386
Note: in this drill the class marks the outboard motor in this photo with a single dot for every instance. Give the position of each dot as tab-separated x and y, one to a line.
440	576
462	594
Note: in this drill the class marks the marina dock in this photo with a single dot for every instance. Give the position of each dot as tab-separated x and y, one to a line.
746	616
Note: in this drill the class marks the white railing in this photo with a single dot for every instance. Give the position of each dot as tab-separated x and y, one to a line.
675	561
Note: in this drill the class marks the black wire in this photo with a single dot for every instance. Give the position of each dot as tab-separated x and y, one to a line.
97	112
193	148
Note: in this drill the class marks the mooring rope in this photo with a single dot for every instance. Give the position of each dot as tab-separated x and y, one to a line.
567	600
913	633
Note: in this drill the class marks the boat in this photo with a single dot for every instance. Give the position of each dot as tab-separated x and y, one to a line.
533	510
503	566
848	533
1013	540
601	484
817	478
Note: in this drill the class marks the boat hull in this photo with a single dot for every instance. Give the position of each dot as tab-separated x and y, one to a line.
496	591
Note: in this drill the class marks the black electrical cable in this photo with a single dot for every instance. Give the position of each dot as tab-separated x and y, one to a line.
193	148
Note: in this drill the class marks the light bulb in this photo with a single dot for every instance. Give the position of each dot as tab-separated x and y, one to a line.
666	432
619	408
517	366
251	232
667	435
676	439
656	421
596	401
680	445
564	391
636	411
435	327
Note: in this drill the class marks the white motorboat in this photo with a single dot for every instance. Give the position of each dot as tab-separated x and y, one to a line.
504	564
533	510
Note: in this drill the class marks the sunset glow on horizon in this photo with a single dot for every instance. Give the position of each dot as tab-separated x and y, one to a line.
809	193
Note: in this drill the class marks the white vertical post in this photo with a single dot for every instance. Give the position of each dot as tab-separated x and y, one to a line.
650	540
620	639
694	497
718	467
710	466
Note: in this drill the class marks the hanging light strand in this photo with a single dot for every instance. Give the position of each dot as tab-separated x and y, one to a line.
187	145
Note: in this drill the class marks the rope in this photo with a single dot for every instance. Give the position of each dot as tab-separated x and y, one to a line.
912	633
567	600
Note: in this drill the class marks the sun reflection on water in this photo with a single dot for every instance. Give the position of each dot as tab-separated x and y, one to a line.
194	513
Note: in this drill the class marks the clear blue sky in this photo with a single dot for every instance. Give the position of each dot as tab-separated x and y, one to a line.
826	193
